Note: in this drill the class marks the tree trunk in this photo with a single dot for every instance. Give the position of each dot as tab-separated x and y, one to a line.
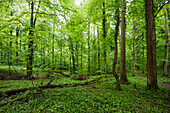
143	64
165	62
151	46
94	55
61	52
1	51
134	47
74	68
118	87
10	55
77	56
71	71
72	54
98	43
81	57
123	76
17	35
89	50
104	36
30	45
53	65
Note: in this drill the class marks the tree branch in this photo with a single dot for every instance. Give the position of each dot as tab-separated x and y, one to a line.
161	8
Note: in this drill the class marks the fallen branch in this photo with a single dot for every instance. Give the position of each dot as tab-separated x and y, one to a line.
17	91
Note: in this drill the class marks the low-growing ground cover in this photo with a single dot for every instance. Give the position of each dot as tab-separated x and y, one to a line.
99	96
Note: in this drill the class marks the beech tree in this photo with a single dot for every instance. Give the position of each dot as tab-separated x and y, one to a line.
165	63
123	76
151	46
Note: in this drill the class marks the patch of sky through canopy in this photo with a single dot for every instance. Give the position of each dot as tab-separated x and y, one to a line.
78	2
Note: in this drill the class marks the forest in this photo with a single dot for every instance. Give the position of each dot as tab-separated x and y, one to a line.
84	56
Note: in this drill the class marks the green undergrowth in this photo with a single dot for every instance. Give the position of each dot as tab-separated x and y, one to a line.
16	84
159	75
100	96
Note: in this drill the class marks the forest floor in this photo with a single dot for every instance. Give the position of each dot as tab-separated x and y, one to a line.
98	96
164	82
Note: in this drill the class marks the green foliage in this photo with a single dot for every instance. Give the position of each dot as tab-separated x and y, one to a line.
96	97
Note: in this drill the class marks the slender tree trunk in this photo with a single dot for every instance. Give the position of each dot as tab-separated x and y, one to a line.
1	51
143	64
98	43
134	47
72	54
94	47
9	64
77	55
73	59
104	36
81	57
118	87
17	35
11	44
30	45
151	46
53	65
71	71
89	50
165	62
61	52
123	76
20	42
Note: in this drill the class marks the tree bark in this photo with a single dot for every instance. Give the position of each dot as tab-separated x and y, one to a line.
165	62
81	57
89	50
123	76
151	46
30	45
98	43
94	47
143	54
1	51
10	61
118	87
134	47
72	54
53	64
17	35
77	55
104	36
61	52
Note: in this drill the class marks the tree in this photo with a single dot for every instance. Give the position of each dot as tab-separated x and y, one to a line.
151	46
30	45
165	62
89	50
98	48
118	87
134	47
123	76
104	35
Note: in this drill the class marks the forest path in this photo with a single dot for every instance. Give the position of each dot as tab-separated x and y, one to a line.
167	84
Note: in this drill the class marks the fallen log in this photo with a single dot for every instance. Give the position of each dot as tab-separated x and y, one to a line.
17	91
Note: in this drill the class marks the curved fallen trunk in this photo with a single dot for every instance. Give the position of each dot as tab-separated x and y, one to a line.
16	91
